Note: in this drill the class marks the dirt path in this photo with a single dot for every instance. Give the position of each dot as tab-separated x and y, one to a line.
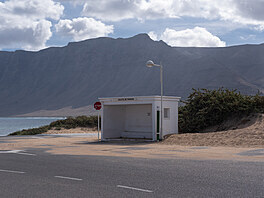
84	145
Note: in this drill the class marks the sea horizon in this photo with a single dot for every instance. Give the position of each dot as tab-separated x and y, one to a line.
12	124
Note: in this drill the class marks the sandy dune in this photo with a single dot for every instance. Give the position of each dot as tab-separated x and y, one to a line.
250	136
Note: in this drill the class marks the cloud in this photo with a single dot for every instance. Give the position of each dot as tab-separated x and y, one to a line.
33	37
196	37
24	23
113	10
246	12
153	36
251	9
117	10
83	28
248	37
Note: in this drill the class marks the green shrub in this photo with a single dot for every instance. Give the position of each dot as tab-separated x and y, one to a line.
258	102
205	108
33	131
80	121
69	123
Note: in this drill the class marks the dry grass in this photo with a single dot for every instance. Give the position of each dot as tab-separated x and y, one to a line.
75	130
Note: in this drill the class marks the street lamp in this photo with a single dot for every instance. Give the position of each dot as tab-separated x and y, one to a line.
150	63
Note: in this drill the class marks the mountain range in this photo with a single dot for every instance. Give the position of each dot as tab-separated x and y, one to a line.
78	74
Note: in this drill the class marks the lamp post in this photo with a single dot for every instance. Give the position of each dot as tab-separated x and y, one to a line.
152	64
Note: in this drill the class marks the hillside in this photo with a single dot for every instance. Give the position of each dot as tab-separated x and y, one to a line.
77	74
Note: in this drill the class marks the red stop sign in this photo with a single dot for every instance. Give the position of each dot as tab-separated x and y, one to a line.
97	105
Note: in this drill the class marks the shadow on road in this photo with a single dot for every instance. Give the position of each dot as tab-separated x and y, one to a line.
119	142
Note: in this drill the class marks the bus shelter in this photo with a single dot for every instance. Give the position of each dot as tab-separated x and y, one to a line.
138	117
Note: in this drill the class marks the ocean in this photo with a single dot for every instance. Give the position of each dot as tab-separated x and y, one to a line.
9	125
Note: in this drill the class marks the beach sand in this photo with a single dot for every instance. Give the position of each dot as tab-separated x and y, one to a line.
246	144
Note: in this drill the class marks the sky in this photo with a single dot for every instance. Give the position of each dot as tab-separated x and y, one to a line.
37	24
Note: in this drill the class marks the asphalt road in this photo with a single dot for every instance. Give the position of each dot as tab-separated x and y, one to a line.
34	173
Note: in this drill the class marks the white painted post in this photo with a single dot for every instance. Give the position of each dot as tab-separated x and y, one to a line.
98	124
161	105
151	64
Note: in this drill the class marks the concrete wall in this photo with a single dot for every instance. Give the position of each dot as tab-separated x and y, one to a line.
131	121
114	121
170	125
138	121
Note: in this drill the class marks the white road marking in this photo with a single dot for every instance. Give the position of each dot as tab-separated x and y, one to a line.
10	171
132	188
27	154
37	137
17	152
11	151
70	178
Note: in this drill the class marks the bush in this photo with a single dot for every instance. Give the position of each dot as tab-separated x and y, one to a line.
69	123
33	131
80	121
258	102
205	108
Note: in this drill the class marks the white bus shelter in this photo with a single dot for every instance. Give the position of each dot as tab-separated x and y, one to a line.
138	117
